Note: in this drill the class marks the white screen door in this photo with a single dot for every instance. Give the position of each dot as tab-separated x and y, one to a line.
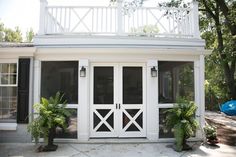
118	102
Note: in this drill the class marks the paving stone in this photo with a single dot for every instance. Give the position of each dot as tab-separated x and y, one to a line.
116	150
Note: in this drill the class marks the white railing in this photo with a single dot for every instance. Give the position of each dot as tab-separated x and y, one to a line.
142	21
102	20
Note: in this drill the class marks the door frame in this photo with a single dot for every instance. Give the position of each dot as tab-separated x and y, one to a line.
143	107
118	88
112	107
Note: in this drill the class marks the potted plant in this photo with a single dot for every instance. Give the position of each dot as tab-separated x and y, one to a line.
181	118
50	114
210	134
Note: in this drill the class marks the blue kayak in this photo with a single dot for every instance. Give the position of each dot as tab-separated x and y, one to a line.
229	108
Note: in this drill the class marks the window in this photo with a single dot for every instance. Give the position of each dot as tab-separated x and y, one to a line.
164	131
60	76
8	91
71	130
176	80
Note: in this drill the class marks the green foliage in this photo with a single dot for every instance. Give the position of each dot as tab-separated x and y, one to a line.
218	30
49	114
182	119
13	35
146	30
29	35
210	132
9	35
1	31
219	86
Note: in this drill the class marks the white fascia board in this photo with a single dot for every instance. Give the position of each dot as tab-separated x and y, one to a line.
15	52
115	41
120	51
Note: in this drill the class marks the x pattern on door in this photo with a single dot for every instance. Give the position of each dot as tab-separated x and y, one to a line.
103	120
118	120
132	120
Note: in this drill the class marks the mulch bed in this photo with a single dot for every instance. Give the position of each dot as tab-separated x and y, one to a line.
226	126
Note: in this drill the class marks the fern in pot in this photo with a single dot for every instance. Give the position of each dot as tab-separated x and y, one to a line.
49	114
181	118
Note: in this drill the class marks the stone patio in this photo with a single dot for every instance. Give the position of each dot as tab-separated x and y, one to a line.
116	150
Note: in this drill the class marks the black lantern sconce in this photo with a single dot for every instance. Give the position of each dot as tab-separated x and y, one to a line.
83	72
153	71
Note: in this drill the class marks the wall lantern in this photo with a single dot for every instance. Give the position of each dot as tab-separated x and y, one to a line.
83	72
153	71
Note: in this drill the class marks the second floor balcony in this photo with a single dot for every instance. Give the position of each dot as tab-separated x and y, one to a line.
119	20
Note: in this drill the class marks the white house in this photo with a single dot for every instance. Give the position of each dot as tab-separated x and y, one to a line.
120	69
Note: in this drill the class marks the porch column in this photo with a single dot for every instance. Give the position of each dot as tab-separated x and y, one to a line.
202	90
199	80
152	101
83	109
37	78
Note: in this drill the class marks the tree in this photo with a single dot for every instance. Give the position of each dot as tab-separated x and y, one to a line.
1	31
13	35
218	27
29	35
9	35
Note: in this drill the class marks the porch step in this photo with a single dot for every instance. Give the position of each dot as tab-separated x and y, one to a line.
226	127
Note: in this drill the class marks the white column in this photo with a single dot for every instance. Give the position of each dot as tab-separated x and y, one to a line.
199	80
202	89
119	17
152	102
31	91
83	109
195	19
43	5
37	78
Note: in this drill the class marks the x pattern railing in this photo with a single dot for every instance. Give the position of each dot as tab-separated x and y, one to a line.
160	21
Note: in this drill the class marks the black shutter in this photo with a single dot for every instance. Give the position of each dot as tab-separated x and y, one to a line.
23	90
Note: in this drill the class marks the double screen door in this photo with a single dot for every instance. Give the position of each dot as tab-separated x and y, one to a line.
118	101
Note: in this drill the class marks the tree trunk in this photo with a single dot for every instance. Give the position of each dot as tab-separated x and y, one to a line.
229	75
229	71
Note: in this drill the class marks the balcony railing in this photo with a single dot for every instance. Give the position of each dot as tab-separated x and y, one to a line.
141	21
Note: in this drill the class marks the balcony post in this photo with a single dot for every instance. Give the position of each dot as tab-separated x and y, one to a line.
43	5
195	19
119	18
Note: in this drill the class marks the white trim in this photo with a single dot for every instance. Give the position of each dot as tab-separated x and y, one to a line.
201	94
96	41
16	52
7	60
119	50
37	81
83	98
152	102
8	126
31	87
